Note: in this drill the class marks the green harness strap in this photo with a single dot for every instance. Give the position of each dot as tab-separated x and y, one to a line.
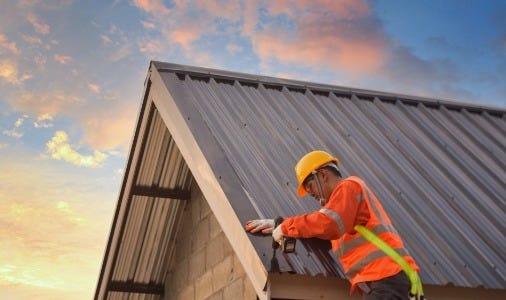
416	283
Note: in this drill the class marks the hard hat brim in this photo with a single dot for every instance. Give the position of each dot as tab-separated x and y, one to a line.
301	191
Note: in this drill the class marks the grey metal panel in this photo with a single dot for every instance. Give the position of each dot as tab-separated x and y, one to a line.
151	223
439	167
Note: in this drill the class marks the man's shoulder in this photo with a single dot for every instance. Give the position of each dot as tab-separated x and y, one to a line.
352	181
354	178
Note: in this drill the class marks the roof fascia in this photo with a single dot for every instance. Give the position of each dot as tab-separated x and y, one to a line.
293	286
175	116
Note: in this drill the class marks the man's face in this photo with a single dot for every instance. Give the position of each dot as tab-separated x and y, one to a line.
311	186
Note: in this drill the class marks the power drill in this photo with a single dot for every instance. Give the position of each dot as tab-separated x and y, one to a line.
288	243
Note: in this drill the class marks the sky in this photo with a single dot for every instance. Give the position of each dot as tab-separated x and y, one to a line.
72	77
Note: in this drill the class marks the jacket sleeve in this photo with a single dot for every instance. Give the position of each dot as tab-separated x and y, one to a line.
331	221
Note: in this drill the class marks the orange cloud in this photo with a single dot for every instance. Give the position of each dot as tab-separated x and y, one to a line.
94	87
185	36
31	39
348	9
103	132
43	121
148	25
45	102
216	8
105	38
62	59
9	46
60	149
106	127
38	25
250	17
10	73
155	7
339	34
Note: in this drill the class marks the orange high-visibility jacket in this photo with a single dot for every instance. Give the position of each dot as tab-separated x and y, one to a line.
352	203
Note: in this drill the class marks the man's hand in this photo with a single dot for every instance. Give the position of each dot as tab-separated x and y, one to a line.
265	225
277	235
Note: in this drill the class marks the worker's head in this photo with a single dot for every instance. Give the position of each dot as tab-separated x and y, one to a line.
313	170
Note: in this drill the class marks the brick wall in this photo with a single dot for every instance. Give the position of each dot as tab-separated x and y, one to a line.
204	265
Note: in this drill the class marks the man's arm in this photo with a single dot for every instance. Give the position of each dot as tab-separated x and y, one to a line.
332	220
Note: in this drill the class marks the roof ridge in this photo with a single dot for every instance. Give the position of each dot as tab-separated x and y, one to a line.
322	87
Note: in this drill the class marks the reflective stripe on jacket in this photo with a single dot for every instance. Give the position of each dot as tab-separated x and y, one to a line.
352	203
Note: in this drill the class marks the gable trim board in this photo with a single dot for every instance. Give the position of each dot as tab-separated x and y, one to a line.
224	185
175	118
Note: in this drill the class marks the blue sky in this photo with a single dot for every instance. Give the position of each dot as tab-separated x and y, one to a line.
71	81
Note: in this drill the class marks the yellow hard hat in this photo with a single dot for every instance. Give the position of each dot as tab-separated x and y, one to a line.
308	163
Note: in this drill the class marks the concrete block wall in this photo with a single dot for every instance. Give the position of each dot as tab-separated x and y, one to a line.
204	266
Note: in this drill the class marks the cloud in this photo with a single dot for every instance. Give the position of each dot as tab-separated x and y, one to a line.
95	88
118	43
184	36
155	7
19	122
121	52
216	9
43	121
331	34
148	25
250	19
152	46
341	35
106	125
9	46
234	48
31	39
38	25
60	149
104	132
10	73
435	78
40	102
51	228
62	59
105	38
40	60
14	132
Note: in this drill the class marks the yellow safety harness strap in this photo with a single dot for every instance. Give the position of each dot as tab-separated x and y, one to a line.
416	291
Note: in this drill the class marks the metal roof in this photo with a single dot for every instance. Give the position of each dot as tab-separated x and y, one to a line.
438	167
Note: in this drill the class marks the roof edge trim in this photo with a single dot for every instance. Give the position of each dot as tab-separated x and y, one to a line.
174	118
291	83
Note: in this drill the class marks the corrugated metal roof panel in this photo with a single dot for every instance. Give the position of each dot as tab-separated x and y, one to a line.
438	166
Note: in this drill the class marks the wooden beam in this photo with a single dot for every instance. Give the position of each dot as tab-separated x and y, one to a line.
159	192
134	287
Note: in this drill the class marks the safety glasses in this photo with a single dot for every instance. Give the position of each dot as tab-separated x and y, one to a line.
308	184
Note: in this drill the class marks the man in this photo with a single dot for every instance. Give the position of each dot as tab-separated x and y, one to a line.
345	204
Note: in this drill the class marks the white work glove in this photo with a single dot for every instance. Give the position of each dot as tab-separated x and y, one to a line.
265	225
277	235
